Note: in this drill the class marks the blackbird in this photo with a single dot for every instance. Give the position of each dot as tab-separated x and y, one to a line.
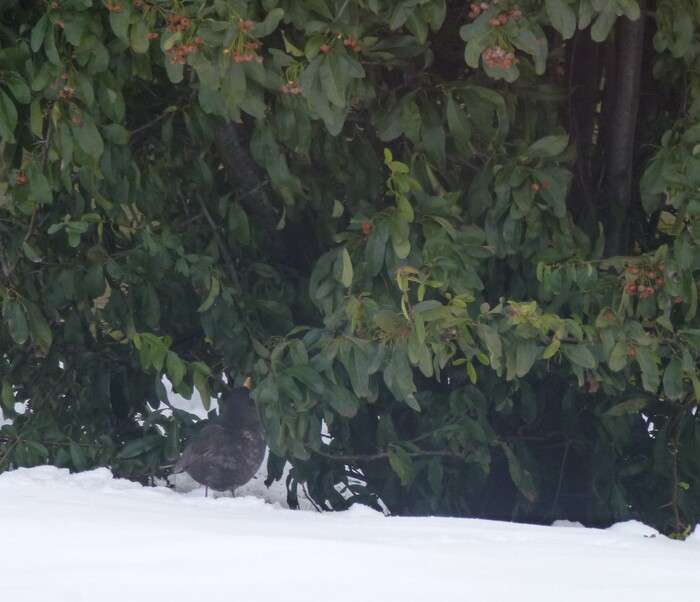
229	450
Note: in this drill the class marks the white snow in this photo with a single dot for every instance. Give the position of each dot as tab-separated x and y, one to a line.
90	537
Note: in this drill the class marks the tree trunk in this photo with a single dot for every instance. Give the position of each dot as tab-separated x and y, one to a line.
621	107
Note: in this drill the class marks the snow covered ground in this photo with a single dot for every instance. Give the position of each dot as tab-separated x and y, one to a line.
90	537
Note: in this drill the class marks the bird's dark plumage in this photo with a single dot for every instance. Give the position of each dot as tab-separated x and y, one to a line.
228	451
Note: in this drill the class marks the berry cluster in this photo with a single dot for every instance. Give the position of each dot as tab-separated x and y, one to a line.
178	22
366	228
291	88
20	179
535	186
353	43
496	57
67	92
246	53
177	54
476	9
117	8
644	281
244	46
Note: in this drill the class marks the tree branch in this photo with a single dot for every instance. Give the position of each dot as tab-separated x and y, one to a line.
222	246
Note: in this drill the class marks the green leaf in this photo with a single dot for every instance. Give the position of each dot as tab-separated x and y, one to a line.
7	397
526	354
269	25
8	118
333	80
36	118
347	271
522	478
579	355
234	85
39	32
77	456
120	24
405	208
42	337
200	383
341	400
629	406
562	17
16	321
673	379
549	146
375	248
116	134
460	127
401	463
176	367
139	37
142	446
87	136
211	297
19	88
552	348
618	357
39	188
603	24
307	376
650	369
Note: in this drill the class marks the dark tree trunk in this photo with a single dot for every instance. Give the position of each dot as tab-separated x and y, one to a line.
621	106
584	69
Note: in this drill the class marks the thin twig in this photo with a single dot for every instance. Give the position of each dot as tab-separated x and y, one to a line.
674	448
341	11
149	124
254	189
561	477
222	247
382	455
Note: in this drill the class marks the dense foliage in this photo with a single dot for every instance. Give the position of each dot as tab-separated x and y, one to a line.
455	245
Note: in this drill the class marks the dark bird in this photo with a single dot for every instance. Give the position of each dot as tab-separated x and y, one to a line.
229	450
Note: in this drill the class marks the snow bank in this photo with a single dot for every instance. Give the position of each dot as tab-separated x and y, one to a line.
94	538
